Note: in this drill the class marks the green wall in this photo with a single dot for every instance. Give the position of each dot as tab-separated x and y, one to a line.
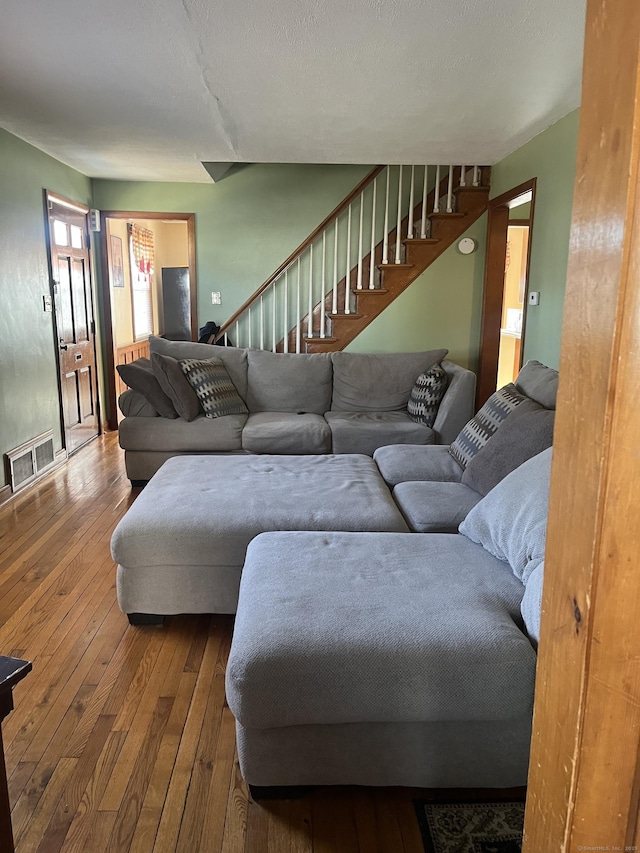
443	306
246	224
29	402
551	158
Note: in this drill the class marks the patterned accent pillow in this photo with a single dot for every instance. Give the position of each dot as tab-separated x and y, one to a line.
427	395
483	425
211	382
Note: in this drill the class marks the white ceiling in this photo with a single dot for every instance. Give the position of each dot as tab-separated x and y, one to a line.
147	90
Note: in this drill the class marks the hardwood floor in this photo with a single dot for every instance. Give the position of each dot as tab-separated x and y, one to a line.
121	739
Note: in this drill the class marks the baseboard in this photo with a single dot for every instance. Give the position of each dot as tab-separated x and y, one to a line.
5	494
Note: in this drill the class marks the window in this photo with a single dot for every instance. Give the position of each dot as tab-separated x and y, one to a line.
142	270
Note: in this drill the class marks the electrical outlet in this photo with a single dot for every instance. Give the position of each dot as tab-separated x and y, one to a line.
46	303
534	297
216	297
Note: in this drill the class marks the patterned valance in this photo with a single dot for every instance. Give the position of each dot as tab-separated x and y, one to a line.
141	241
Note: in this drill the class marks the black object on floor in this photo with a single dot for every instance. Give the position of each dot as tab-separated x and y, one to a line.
470	827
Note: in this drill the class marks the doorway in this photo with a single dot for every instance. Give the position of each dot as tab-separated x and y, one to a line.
74	323
139	250
506	288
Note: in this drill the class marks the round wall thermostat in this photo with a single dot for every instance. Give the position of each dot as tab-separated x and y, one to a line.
467	246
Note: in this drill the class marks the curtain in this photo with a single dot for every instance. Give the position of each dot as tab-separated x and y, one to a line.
142	269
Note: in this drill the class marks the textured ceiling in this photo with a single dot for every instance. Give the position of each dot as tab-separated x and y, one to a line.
147	90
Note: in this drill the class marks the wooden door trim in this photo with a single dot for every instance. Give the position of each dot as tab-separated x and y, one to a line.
497	225
107	315
584	774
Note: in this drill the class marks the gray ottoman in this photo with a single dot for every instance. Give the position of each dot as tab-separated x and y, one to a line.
181	546
388	660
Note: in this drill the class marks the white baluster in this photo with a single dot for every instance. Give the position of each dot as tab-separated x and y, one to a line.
372	258
436	192
347	275
299	318
398	257
450	191
285	312
323	333
310	313
360	228
250	335
261	323
411	202
423	222
463	176
476	177
385	236
334	304
273	317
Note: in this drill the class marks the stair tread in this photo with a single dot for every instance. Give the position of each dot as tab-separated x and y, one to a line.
444	215
328	338
420	240
470	188
352	314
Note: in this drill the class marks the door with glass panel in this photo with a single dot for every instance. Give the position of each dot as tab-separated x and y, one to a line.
74	320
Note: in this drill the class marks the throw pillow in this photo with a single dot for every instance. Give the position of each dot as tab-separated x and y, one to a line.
139	376
175	385
482	426
427	394
211	382
527	431
511	521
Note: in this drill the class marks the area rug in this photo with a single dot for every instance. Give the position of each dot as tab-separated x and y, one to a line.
471	827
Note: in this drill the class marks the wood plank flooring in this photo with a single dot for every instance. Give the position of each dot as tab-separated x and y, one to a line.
121	739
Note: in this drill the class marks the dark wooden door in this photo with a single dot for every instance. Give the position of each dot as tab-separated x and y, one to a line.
75	325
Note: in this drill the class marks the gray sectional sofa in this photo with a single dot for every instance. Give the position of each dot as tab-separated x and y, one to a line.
298	404
388	609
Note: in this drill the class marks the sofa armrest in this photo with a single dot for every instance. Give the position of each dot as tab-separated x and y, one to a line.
403	463
458	404
135	405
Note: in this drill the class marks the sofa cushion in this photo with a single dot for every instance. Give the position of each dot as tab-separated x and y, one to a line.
235	360
289	382
482	426
539	383
176	386
283	432
378	383
400	463
378	627
204	435
433	507
135	404
364	432
211	382
139	376
511	521
526	432
531	606
426	395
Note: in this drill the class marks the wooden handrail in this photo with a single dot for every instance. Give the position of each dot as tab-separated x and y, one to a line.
304	245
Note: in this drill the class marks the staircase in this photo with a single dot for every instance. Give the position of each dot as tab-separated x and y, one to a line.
380	238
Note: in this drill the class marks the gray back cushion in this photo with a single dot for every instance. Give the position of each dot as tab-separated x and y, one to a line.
539	383
289	382
378	382
526	432
235	360
511	521
531	606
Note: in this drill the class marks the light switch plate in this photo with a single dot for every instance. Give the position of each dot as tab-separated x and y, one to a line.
216	297
534	297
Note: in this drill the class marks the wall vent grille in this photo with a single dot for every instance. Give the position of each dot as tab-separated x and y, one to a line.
30	460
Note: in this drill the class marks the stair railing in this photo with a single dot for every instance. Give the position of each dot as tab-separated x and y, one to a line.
341	255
